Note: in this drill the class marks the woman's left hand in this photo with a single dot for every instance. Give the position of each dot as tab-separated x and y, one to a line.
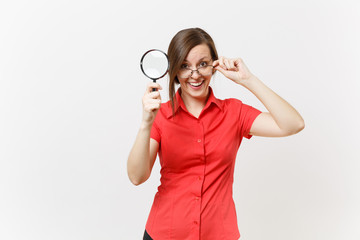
234	69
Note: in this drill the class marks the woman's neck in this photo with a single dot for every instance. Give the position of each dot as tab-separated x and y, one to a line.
194	105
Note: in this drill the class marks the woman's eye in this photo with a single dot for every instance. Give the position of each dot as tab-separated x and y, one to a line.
184	66
203	64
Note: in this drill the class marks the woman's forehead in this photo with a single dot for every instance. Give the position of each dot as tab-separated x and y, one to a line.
199	52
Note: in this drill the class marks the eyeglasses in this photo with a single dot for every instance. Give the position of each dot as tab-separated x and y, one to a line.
204	70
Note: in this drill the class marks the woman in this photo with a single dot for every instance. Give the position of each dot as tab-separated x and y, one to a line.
197	137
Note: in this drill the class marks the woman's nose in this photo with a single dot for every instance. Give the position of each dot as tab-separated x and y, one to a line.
195	74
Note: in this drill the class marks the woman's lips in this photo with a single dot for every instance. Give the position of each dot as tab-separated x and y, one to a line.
196	85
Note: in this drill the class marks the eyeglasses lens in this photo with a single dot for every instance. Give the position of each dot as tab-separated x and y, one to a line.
204	71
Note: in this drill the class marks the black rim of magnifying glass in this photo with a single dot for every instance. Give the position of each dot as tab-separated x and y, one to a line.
142	69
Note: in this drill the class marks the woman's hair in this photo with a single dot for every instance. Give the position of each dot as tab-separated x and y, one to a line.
179	47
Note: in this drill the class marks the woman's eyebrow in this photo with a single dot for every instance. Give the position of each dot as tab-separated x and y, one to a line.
201	59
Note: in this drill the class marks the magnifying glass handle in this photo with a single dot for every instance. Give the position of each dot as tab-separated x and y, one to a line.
154	89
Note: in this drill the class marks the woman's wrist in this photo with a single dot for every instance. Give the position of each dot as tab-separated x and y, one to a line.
251	82
146	125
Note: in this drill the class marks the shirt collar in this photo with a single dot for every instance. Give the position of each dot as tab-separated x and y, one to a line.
179	103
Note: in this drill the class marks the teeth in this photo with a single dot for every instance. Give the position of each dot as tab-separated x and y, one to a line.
196	84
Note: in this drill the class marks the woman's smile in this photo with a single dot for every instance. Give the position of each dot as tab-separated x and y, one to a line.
196	85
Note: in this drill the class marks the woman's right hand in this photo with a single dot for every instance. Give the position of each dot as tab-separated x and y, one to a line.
151	102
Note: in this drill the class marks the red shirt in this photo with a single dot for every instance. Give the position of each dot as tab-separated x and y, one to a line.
197	157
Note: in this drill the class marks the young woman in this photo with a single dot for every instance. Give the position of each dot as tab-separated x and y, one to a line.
197	137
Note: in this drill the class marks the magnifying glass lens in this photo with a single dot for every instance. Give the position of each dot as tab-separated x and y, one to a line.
155	64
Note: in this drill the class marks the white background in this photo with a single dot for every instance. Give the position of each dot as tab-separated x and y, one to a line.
70	108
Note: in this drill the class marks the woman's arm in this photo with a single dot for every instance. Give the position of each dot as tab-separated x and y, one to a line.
281	120
143	153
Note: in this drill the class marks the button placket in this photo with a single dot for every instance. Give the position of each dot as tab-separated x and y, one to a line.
199	140
199	177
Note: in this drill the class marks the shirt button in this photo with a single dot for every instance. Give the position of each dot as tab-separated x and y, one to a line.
199	140
195	222
197	198
199	178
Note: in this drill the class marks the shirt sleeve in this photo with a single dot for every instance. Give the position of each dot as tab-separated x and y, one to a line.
155	131
247	116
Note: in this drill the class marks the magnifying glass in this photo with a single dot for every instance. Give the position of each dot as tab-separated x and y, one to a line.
154	64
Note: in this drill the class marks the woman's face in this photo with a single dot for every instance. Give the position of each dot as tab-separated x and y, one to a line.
197	85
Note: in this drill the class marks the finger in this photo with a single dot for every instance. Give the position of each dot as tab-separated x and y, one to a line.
221	62
215	63
153	85
220	69
227	64
152	106
150	101
232	65
241	65
151	98
224	71
239	62
155	106
155	95
154	101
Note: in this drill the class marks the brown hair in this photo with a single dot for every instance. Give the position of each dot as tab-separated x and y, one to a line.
179	47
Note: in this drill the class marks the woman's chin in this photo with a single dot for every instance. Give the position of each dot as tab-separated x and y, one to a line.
198	91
